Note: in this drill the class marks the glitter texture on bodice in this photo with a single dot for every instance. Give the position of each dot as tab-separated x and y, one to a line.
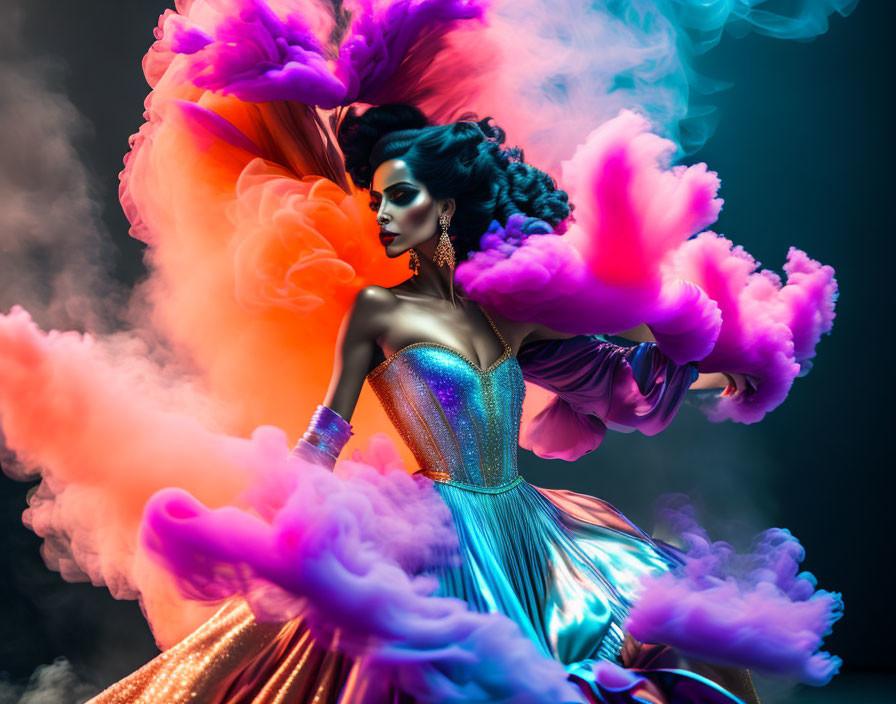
461	422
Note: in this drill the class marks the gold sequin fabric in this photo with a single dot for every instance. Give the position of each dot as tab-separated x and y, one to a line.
233	659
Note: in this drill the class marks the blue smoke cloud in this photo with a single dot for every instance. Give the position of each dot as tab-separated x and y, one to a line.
665	83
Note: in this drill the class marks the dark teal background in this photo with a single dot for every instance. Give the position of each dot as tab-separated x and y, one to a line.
804	147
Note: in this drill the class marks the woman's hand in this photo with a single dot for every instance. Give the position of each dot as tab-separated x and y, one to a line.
732	383
739	384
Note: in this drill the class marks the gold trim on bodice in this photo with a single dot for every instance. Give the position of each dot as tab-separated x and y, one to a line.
435	475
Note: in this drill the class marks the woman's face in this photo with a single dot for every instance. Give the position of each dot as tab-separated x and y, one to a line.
406	212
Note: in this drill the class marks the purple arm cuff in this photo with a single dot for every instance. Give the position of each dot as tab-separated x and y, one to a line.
326	436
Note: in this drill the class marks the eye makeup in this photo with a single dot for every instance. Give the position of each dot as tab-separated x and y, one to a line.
403	196
400	194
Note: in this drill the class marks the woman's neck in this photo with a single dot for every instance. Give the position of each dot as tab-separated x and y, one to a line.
432	279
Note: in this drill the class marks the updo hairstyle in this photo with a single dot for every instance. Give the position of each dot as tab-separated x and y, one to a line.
462	160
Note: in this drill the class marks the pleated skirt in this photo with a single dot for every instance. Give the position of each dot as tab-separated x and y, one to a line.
564	566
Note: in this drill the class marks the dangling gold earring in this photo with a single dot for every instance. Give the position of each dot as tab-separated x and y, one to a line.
414	262
444	254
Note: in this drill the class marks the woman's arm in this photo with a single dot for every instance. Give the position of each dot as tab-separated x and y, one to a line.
733	383
530	332
329	428
642	333
713	380
355	348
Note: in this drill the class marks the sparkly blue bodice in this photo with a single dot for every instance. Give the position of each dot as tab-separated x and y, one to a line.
461	422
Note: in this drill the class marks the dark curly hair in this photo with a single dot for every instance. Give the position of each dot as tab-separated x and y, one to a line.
462	160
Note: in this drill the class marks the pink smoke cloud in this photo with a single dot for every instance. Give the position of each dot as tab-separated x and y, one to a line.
769	329
605	274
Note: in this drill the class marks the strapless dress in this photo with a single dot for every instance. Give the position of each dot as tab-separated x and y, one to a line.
562	565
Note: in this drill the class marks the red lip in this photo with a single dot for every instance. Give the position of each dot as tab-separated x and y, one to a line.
386	238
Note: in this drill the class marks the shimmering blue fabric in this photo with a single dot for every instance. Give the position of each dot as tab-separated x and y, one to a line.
568	587
567	584
563	566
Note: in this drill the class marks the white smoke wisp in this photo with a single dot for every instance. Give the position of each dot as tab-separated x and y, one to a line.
56	683
54	249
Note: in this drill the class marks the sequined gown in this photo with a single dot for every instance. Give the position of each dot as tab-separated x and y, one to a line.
562	565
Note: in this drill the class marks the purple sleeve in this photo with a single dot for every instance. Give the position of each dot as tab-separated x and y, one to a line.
599	385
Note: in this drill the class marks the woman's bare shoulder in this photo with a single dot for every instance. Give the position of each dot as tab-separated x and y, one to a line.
370	313
375	298
513	331
520	332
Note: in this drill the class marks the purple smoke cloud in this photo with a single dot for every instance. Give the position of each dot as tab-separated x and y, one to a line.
348	551
250	51
753	610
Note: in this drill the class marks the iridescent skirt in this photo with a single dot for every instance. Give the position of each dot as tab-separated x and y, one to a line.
563	566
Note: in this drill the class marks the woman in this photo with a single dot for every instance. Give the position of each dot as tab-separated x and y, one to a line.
236	145
424	317
450	376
